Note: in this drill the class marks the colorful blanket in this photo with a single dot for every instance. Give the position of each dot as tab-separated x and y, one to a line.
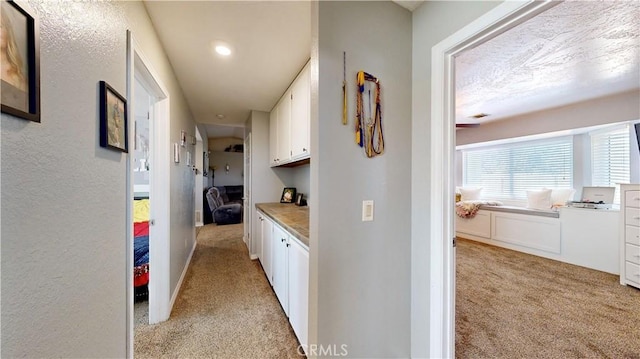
468	209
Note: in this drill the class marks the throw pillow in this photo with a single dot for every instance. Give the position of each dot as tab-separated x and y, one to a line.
539	199
560	196
470	194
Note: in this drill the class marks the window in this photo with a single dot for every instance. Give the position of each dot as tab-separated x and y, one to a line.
508	171
610	158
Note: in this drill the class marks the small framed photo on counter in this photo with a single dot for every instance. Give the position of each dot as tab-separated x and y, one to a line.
299	199
288	195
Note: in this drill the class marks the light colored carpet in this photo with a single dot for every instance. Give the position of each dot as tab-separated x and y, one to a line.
514	305
226	308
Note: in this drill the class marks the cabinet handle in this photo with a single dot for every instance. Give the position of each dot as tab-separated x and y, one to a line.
282	240
304	150
288	244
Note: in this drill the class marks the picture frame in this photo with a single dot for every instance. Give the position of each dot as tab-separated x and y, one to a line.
288	195
113	119
20	86
299	199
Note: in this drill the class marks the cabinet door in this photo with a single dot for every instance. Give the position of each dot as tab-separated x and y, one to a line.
280	267
256	233
267	248
299	290
273	137
300	115
284	129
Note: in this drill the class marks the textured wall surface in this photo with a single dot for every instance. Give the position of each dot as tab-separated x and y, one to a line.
64	197
266	182
363	268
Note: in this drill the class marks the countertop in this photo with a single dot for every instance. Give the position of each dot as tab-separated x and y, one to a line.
292	218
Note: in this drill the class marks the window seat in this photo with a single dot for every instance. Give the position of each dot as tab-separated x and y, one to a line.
584	237
523	210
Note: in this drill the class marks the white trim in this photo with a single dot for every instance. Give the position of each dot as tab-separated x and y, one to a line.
159	182
184	273
129	193
442	128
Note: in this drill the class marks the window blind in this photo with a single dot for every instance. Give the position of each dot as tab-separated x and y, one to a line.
508	171
610	158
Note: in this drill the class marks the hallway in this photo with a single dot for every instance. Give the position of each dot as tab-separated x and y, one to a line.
225	309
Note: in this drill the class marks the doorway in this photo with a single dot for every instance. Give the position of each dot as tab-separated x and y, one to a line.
142	111
138	70
442	129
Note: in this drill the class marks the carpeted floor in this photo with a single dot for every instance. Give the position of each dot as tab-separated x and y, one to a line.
226	308
514	305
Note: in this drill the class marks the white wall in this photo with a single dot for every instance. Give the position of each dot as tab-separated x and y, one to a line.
236	168
604	110
432	22
360	295
266	183
63	238
301	181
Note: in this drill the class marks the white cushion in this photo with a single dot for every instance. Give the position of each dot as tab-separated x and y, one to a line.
539	199
470	194
560	196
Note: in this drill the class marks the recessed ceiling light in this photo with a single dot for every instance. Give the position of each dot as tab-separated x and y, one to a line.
220	116
223	50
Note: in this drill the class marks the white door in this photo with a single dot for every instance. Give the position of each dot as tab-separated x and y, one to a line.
299	290
300	113
284	128
273	136
280	272
267	248
246	200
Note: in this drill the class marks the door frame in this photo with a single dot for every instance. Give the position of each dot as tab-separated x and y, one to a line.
442	127
159	190
248	213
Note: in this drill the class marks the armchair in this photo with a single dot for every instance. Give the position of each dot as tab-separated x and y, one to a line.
222	213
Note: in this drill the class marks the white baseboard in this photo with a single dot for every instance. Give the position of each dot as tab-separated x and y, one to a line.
199	224
253	256
184	273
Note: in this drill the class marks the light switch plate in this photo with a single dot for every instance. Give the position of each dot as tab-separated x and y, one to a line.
367	210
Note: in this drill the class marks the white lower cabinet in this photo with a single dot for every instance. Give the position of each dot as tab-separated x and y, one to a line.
280	267
266	236
299	290
285	261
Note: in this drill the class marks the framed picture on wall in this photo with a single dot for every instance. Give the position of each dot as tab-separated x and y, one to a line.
20	75
113	119
288	195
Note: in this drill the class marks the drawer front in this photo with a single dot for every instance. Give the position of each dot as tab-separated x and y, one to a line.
632	216
632	272
632	253
632	235
632	199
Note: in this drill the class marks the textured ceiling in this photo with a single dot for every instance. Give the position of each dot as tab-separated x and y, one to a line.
572	52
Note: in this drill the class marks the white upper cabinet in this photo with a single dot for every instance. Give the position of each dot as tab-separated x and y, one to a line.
273	137
284	129
289	122
300	114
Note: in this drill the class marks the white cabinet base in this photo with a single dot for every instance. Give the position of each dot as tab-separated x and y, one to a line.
583	237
